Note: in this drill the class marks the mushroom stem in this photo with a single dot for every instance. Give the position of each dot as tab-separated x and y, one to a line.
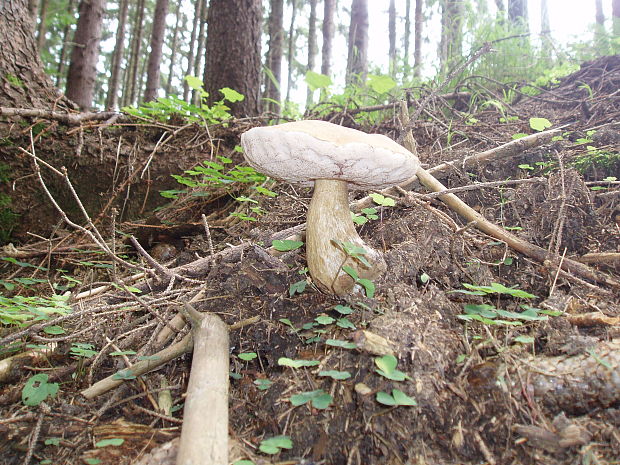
329	224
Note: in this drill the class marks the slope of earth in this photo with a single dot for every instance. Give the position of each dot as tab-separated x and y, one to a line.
468	352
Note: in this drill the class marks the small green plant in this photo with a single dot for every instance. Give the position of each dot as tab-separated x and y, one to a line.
287	362
597	160
247	356
286	245
540	124
37	390
396	399
82	350
341	344
263	384
275	444
366	215
319	399
20	310
335	374
386	367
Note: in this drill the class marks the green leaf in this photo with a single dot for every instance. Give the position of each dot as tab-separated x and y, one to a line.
381	84
287	362
52	442
386	367
125	374
385	399
264	191
343	309
247	356
345	323
243	462
324	320
287	322
402	399
335	374
424	278
368	286
317	81
351	272
263	384
382	200
297	288
274	444
319	399
540	124
231	95
341	344
37	389
524	339
194	83
123	352
110	442
54	330
519	135
285	245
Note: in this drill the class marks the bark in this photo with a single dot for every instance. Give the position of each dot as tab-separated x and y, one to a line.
23	83
33	9
312	46
191	54
357	58
417	41
615	15
328	36
200	51
66	34
83	68
406	40
117	56
173	48
290	55
42	29
233	52
545	27
517	13
450	46
392	37
274	56
600	16
158	34
129	94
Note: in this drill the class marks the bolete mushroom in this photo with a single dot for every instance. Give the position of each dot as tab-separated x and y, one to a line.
332	158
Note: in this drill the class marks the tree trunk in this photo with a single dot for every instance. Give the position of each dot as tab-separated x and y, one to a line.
200	51
357	58
191	54
117	56
615	16
312	47
545	30
600	16
129	91
233	52
517	13
158	34
173	47
417	39
42	29
33	11
83	67
66	33
290	55
406	39
21	85
450	46
392	37
328	36
274	56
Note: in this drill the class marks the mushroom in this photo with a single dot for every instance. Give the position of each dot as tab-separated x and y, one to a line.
333	158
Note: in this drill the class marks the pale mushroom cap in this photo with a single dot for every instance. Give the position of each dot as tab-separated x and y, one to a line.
303	151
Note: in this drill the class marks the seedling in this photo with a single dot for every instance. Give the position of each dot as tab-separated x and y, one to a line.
367	284
37	390
275	444
341	344
337	375
319	399
386	367
366	215
287	362
286	245
110	442
263	384
82	350
382	201
540	124
398	398
247	356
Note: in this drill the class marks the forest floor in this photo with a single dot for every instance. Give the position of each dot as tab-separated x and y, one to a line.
498	376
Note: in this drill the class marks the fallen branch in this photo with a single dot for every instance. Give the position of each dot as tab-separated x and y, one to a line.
204	435
72	119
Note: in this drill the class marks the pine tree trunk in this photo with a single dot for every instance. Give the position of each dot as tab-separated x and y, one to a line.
129	91
451	35
406	40
615	16
417	40
392	37
200	50
22	86
66	33
173	48
117	56
42	29
158	34
83	68
517	13
191	54
357	58
328	36
274	56
290	55
312	47
233	55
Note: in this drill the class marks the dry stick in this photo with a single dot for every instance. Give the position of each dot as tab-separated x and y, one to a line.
532	251
204	435
67	118
162	357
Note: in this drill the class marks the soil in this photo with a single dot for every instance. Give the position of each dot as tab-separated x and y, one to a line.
540	390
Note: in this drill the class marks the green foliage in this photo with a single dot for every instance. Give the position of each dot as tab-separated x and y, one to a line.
396	399
110	442
494	288
335	374
286	245
37	389
341	344
275	444
287	362
319	399
20	310
367	284
386	367
597	161
82	350
247	356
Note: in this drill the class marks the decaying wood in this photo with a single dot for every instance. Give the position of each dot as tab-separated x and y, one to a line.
66	118
204	435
